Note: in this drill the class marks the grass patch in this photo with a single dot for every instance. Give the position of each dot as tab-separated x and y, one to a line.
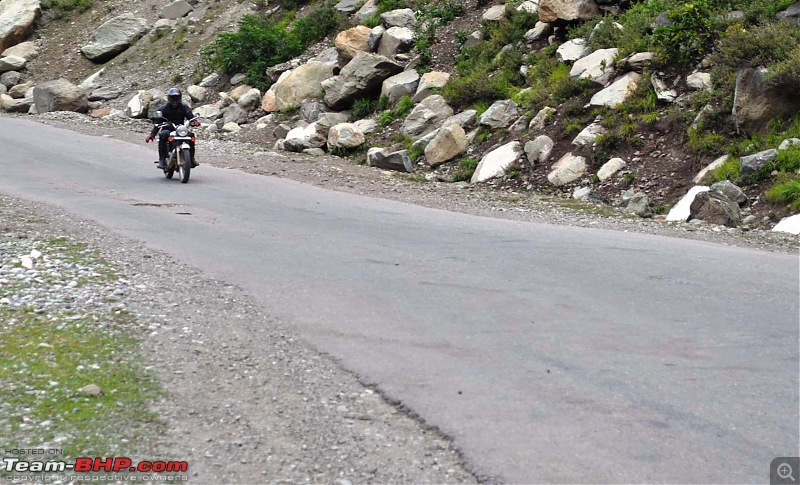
786	191
487	71
46	356
466	168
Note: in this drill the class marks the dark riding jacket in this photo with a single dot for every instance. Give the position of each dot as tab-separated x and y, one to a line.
175	115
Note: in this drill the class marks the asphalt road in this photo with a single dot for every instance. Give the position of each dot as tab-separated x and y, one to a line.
549	354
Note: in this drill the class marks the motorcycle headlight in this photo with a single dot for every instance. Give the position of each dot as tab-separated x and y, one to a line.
182	131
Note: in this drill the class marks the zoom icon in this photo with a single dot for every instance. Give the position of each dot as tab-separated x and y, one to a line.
783	470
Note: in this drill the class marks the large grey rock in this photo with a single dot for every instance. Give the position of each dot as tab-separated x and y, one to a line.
755	103
663	92
196	93
681	211
699	81
610	168
382	158
250	100
638	61
12	63
529	6
588	135
21	90
359	78
345	135
374	38
639	204
403	17
715	208
791	14
539	31
368	10
25	50
495	13
208	111
366	126
552	10
17	20
10	78
300	138
352	41
312	109
13	105
572	50
449	142
163	27
175	10
210	80
114	36
618	92
540	120
348	6
235	114
463	119
785	144
496	162
731	191
598	67
301	83
752	163
500	114
427	116
59	95
790	225
396	40
429	82
94	81
105	94
145	103
539	149
399	85
567	169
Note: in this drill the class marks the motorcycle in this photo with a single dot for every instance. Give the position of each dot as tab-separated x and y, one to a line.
178	144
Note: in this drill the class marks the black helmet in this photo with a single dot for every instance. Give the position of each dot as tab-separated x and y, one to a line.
174	97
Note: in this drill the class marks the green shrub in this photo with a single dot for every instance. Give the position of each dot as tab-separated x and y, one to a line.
786	190
362	108
466	168
386	118
689	36
261	42
389	5
483	75
404	106
708	143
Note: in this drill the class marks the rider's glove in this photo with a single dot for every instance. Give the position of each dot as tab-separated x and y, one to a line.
195	123
149	139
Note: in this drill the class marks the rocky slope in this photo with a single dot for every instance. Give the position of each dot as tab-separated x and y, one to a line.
546	96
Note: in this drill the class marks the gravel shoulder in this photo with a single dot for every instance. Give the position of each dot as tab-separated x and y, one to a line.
245	401
346	175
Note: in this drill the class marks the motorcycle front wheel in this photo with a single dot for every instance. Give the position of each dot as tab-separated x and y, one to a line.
187	165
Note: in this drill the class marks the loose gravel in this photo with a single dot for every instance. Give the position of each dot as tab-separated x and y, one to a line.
245	401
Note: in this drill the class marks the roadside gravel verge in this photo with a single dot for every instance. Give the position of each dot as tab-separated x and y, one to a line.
244	401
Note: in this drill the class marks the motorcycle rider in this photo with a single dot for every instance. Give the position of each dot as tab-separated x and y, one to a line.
176	112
